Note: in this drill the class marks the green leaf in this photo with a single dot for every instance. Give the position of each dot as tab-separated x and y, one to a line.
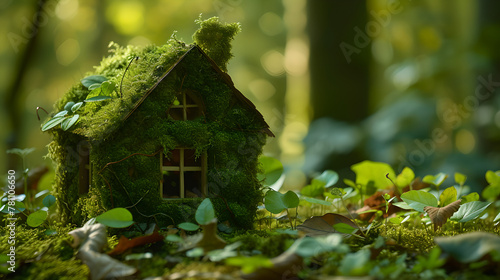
338	192
49	200
402	205
313	246
355	263
419	199
94	79
107	88
316	188
396	220
174	238
435	180
97	98
350	183
367	171
405	178
94	86
250	264
37	218
68	106
344	228
448	196
470	197
469	247
460	178
497	218
328	178
469	211
276	202
50	232
195	252
316	201
188	226
493	178
492	191
69	122
18	207
61	114
53	122
272	170
205	212
116	218
20	152
76	107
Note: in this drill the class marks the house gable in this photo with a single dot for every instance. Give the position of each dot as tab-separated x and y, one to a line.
129	135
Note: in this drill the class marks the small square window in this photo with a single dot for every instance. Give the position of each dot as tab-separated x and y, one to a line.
184	174
185	108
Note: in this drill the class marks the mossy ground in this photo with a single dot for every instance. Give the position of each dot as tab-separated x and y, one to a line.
51	256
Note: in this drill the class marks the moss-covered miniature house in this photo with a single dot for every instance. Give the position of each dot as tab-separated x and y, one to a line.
174	130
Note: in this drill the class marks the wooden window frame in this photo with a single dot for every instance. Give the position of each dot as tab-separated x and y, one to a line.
184	106
182	169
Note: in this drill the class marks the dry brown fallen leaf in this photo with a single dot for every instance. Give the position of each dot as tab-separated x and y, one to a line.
92	238
125	244
439	215
323	225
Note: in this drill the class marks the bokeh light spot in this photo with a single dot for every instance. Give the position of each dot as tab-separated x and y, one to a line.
296	57
262	89
465	141
126	16
67	52
272	61
271	24
66	9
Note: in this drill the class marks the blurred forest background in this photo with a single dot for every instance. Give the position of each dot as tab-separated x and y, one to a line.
410	83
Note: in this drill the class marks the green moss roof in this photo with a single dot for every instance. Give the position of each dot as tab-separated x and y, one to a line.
149	66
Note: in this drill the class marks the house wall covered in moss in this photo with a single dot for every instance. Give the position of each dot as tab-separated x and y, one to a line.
130	133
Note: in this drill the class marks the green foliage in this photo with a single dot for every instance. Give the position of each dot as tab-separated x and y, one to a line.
272	169
311	247
316	188
318	184
375	172
469	211
205	212
470	247
405	178
470	197
460	178
215	39
37	218
435	180
355	263
49	201
250	264
276	202
67	118
419	199
116	218
189	226
430	262
492	191
21	152
328	178
93	81
448	196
